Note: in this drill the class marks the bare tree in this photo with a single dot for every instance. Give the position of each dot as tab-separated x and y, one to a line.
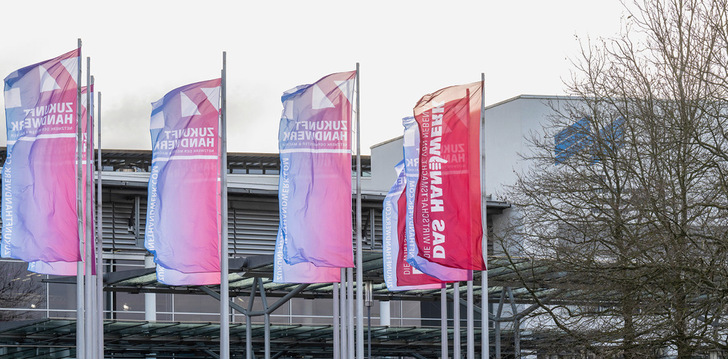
631	205
20	291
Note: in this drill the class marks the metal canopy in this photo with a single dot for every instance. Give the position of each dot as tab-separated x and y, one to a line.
502	273
55	338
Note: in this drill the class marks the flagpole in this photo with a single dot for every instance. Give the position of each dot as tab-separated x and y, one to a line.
335	317
344	314
443	321
350	307
456	320
92	220
99	243
351	349
80	354
88	299
484	313
90	214
224	290
359	266
470	301
470	320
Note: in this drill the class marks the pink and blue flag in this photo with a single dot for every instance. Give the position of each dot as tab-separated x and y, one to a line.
303	272
398	274
314	186
183	227
175	277
411	149
40	222
62	267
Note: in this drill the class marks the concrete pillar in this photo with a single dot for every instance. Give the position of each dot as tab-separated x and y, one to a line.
385	318
307	311
150	299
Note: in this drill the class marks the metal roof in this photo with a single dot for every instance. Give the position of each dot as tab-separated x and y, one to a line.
55	338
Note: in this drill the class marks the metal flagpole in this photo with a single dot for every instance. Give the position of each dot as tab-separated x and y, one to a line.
91	222
80	334
485	336
359	266
443	322
470	320
343	312
248	323
456	320
350	300
369	319
99	242
224	292
350	307
336	316
88	298
266	318
248	336
266	332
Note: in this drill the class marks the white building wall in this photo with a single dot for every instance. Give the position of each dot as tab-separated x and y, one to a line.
508	126
384	157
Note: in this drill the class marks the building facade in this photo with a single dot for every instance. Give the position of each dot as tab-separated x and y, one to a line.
131	296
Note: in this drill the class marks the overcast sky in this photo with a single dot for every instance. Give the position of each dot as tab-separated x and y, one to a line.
142	49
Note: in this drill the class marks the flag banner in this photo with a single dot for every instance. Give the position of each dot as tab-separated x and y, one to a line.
303	272
174	277
183	227
40	222
448	221
411	148
399	275
53	268
314	185
65	268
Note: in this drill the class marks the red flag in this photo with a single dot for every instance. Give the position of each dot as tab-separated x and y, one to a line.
448	223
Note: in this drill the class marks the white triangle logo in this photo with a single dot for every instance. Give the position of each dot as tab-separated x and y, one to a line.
319	100
71	66
346	87
47	82
213	95
187	107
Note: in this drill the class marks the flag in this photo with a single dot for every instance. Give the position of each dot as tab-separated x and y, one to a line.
39	207
448	223
303	272
65	268
411	148
314	186
175	277
183	227
398	273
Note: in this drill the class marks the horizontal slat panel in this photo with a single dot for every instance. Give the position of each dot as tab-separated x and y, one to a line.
252	227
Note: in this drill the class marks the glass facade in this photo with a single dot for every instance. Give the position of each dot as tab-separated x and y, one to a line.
26	295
